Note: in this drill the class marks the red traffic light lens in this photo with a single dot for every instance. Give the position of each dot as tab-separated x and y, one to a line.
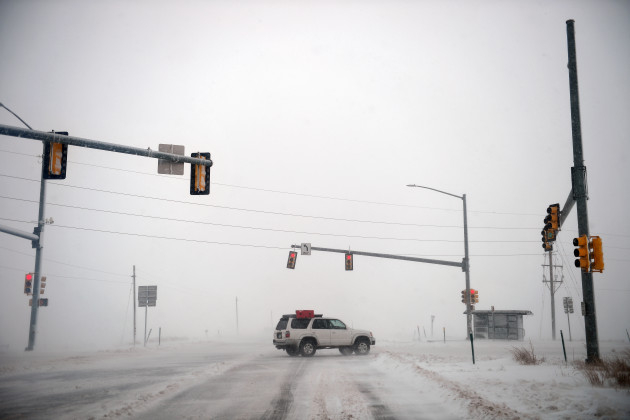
29	276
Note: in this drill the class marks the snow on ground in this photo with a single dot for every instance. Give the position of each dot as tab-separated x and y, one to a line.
399	374
496	386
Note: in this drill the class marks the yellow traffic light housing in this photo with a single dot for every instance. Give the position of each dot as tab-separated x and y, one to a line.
582	252
55	159
42	285
597	254
200	176
554	211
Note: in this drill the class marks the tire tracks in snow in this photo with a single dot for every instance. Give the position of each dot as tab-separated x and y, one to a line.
477	405
282	403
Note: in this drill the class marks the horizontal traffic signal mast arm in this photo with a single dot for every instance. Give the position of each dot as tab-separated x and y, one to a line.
8	130
19	233
390	256
566	210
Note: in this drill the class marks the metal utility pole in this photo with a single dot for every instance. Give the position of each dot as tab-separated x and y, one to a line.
554	285
134	305
237	315
39	247
580	195
553	298
466	262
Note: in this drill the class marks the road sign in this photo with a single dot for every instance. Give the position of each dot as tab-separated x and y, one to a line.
168	167
305	249
147	295
42	302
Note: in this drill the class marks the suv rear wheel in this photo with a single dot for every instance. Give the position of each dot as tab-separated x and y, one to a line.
362	347
308	348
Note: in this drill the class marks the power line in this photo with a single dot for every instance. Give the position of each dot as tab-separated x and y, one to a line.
324	197
271	212
260	228
60	276
249	245
63	263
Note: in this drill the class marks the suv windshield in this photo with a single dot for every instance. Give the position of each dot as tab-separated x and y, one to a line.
336	324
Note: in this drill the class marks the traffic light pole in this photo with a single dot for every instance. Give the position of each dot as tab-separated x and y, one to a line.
39	247
134	306
580	195
466	262
37	237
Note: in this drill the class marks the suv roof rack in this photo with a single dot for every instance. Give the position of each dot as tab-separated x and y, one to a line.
294	316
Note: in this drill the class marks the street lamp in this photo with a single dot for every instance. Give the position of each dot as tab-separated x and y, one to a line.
466	265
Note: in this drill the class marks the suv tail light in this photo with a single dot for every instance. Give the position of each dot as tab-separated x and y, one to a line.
287	334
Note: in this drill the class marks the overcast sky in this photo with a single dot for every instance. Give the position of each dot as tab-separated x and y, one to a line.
317	115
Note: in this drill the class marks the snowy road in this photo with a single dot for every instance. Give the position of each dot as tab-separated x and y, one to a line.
214	381
252	380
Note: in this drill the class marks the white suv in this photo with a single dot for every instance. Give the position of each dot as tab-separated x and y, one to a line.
305	332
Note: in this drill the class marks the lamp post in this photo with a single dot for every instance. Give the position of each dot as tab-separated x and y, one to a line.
466	264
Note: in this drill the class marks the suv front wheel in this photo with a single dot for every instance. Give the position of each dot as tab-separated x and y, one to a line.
362	347
346	351
308	348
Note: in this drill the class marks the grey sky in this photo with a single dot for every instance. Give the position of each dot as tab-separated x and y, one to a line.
319	109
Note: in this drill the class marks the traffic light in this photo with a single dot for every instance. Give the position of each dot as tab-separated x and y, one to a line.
43	302
55	159
292	258
547	246
200	176
463	296
597	254
349	263
42	285
28	283
553	210
474	296
582	252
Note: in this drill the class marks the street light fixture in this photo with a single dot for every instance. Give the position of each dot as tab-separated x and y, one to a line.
466	264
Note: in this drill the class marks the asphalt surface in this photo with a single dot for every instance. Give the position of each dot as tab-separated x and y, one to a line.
211	381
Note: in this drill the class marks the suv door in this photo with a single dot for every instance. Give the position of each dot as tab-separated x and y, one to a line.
321	330
340	335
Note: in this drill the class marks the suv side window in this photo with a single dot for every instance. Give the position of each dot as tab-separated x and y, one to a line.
300	324
336	324
320	324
